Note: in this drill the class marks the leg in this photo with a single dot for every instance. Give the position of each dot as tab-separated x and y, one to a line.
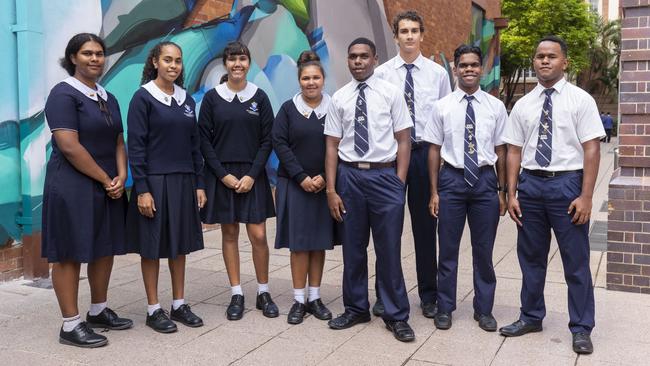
65	280
229	238
316	264
99	275
150	269
177	271
257	236
299	267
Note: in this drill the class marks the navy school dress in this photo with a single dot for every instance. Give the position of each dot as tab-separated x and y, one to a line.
165	160
81	223
304	222
236	139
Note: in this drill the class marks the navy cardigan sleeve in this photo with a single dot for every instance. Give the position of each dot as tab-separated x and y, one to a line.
206	132
266	119
197	157
282	147
138	129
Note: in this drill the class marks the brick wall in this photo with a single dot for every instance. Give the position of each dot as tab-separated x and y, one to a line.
628	236
11	262
206	10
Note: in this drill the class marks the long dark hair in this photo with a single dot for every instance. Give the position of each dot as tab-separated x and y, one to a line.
149	72
74	45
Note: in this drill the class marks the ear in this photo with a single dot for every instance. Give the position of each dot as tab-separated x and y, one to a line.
565	64
73	59
155	63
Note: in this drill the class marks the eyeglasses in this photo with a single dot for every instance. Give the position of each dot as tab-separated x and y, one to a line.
103	107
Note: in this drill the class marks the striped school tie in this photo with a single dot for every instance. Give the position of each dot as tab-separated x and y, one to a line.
361	122
543	155
409	95
471	168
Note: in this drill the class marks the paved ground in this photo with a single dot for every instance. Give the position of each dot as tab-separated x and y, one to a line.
29	318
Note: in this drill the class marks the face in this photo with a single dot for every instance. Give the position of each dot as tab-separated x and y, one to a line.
468	71
361	61
408	36
549	63
237	67
89	60
311	82
169	64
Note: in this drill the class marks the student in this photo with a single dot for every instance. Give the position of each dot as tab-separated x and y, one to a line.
466	131
83	198
166	164
235	124
304	224
367	155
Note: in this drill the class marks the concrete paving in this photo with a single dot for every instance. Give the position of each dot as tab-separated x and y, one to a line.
30	320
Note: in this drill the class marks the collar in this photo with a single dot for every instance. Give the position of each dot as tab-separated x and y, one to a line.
459	95
371	82
86	90
558	86
164	98
306	110
243	95
398	61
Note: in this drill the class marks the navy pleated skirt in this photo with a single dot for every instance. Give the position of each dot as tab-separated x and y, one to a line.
225	206
175	228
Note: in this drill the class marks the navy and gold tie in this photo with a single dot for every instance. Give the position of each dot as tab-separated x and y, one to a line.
361	122
409	95
544	151
471	170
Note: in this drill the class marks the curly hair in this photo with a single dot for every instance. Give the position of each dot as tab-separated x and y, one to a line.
411	15
149	72
74	45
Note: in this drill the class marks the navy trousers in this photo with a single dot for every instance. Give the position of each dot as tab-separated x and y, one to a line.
544	203
480	206
374	201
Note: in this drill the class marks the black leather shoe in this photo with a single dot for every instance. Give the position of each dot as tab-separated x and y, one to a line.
108	319
185	315
160	322
296	313
319	310
486	322
266	304
519	328
442	320
402	331
82	336
378	308
235	310
347	320
429	309
582	344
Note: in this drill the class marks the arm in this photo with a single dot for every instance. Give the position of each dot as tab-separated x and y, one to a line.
117	184
501	152
266	120
582	204
79	157
433	163
197	159
334	202
513	165
403	138
281	145
206	127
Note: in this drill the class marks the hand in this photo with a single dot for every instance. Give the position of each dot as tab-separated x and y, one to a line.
503	204
201	198
116	188
230	181
514	210
319	182
245	184
146	206
308	185
335	203
434	204
582	207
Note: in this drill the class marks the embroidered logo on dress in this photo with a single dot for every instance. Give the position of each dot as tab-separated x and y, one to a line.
188	112
253	109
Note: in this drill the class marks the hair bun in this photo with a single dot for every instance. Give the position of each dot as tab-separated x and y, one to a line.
307	56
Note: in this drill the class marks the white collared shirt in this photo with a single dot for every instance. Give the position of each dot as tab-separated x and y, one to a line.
306	110
447	127
430	83
387	114
164	98
575	121
243	95
86	90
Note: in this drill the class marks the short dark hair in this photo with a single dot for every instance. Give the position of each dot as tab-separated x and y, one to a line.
556	39
366	41
74	45
408	15
235	49
463	49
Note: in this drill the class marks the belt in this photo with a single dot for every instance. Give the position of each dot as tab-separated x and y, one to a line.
549	174
415	145
461	170
366	166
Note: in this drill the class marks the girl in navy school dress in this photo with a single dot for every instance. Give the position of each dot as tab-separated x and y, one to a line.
235	124
166	165
83	200
304	223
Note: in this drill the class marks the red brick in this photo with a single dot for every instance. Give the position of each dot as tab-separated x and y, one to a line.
626	205
641	238
631	269
635	33
614	236
645	270
645	290
628	258
615	278
641	281
624	226
635	76
645	249
642	259
627	280
629	237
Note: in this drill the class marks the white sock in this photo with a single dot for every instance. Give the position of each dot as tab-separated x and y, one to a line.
70	323
236	290
152	308
299	295
314	293
176	303
95	309
262	287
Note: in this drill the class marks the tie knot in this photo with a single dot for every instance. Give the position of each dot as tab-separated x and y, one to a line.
409	67
549	91
362	86
469	98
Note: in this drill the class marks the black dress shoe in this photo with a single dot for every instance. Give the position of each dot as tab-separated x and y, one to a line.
582	344
519	328
429	309
347	320
160	322
486	322
296	313
235	310
266	304
319	310
378	308
108	319
185	315
442	320
402	331
82	336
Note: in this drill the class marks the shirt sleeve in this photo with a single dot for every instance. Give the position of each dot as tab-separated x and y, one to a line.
333	121
502	120
587	126
282	147
266	120
138	131
514	130
206	136
434	129
61	111
399	112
